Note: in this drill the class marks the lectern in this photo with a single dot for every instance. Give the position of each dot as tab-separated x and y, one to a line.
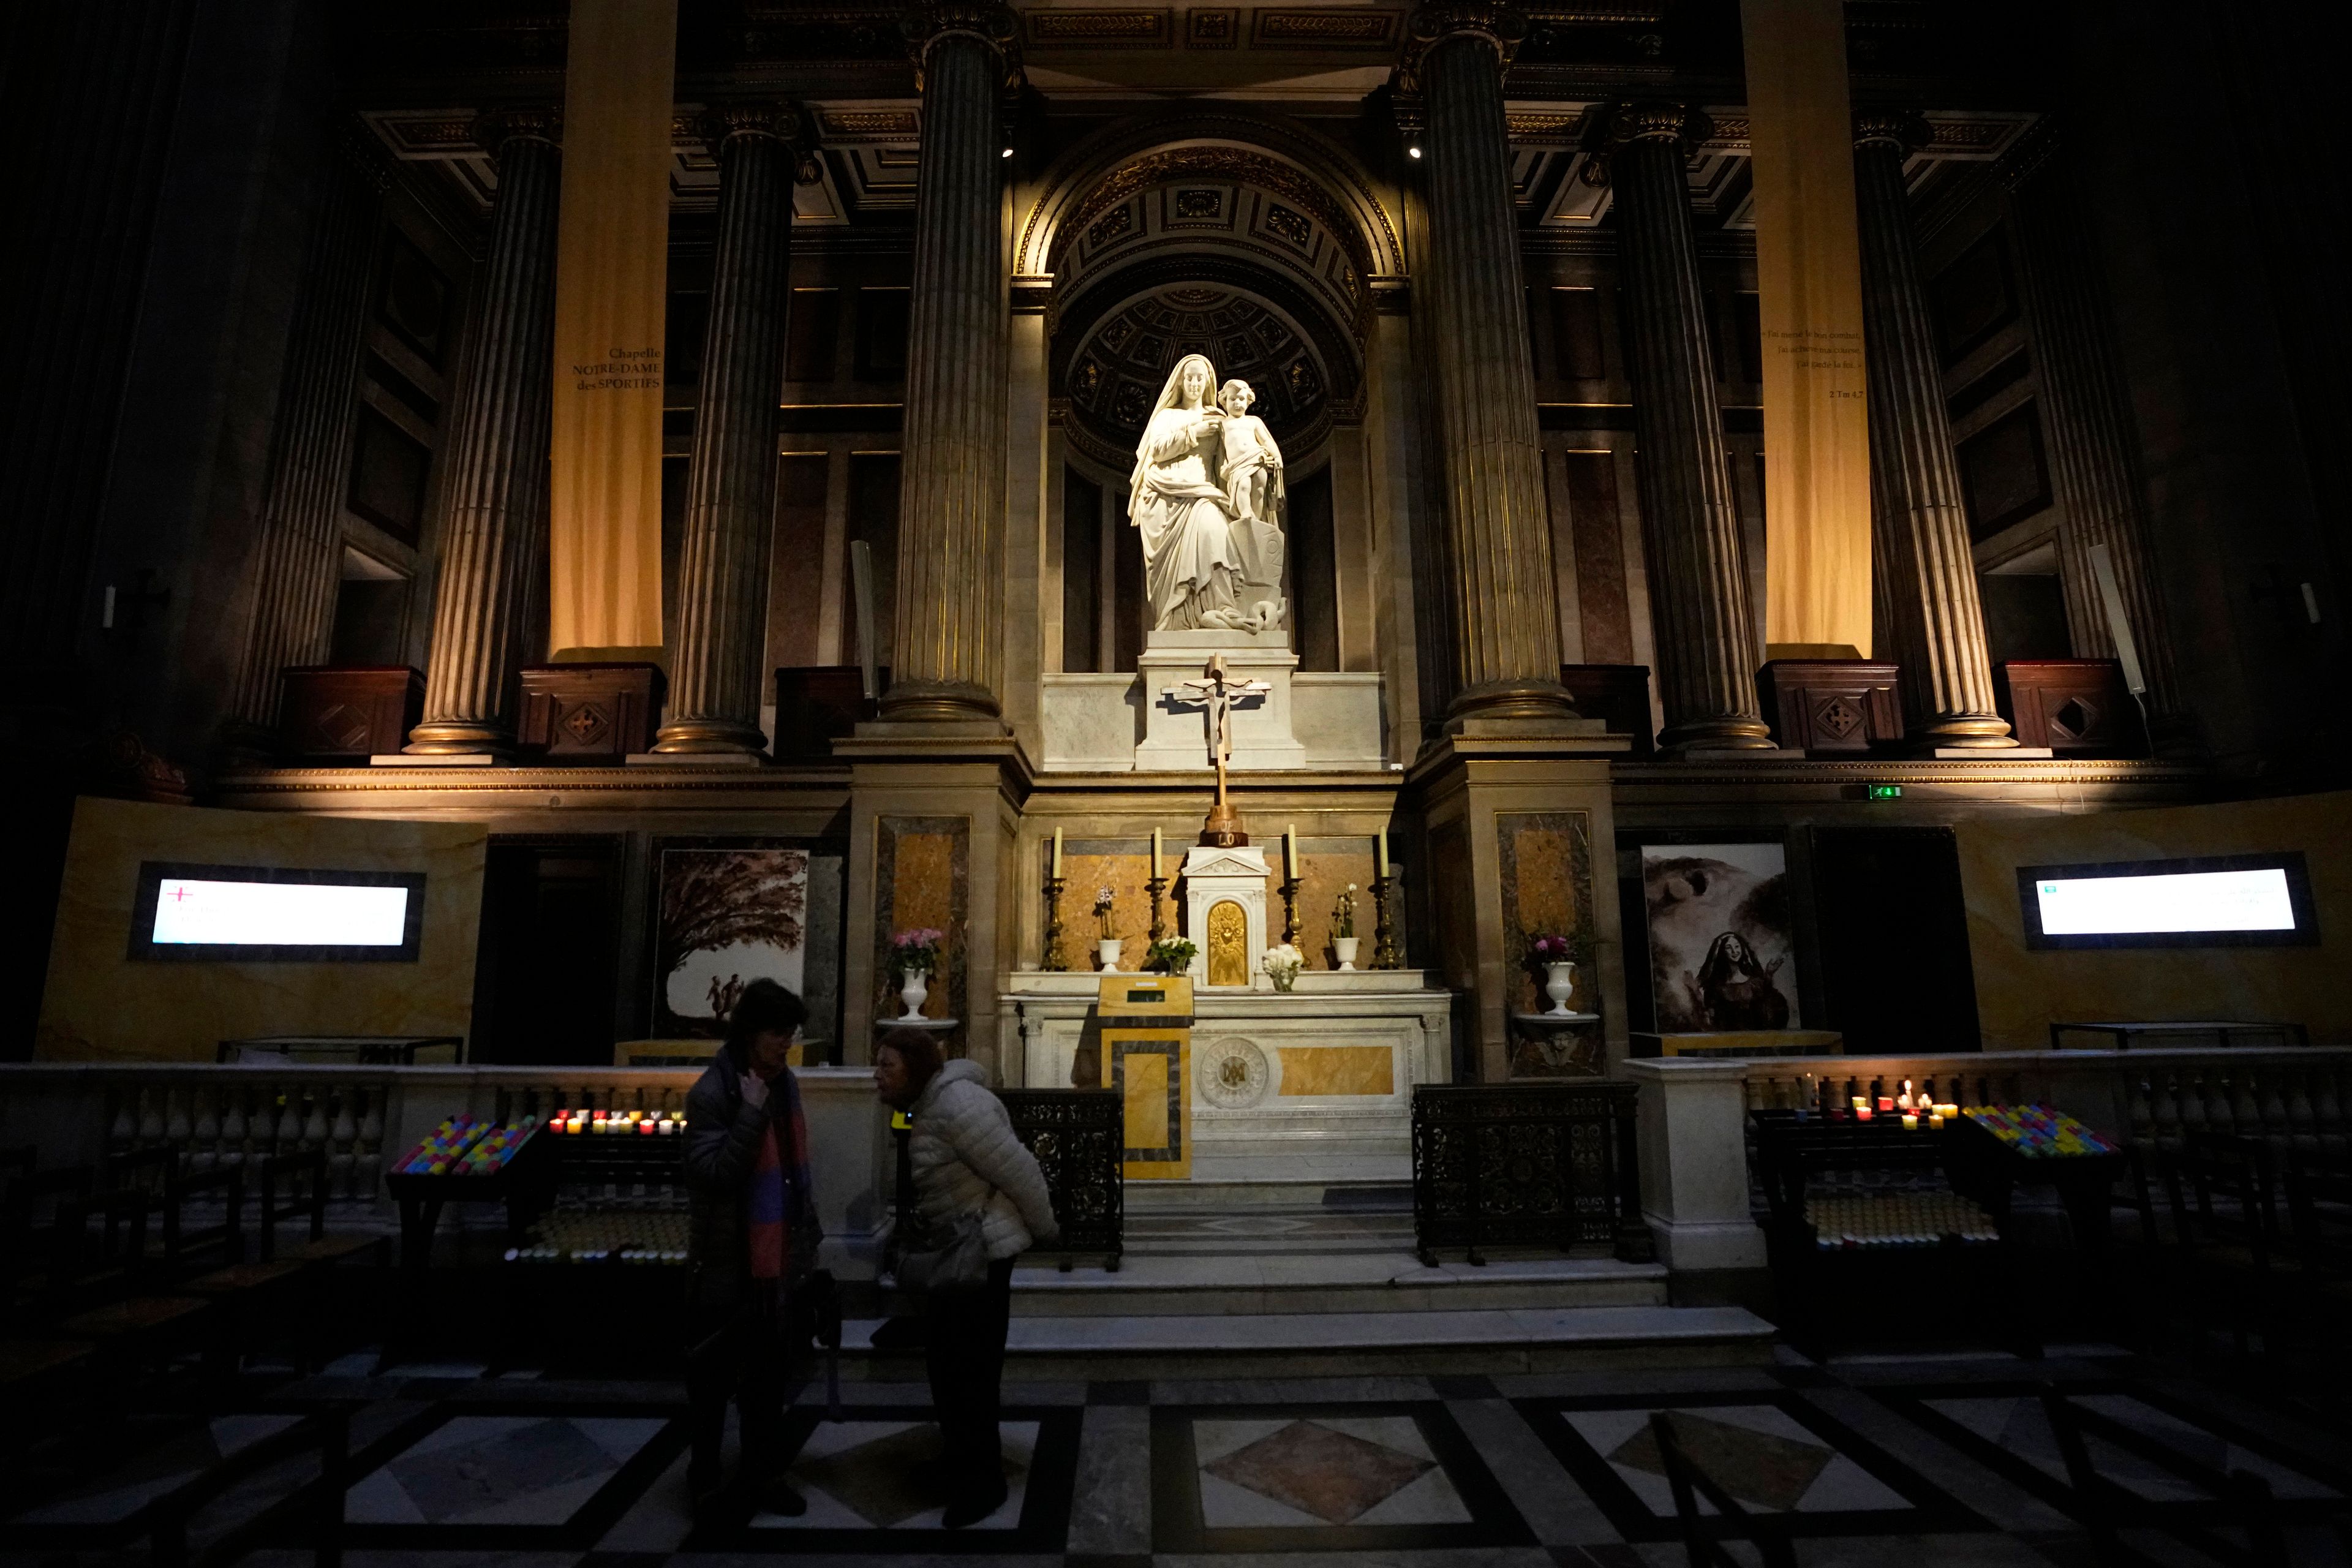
1147	1058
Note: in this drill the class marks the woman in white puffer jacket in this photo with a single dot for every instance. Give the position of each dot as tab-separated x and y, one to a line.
966	1161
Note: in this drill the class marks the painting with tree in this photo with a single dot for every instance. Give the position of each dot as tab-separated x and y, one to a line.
726	917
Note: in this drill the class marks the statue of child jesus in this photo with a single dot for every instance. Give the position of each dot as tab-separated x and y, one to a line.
1249	468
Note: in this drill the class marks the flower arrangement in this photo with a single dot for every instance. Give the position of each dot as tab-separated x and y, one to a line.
1343	913
1171	955
1546	947
916	951
1282	965
1102	912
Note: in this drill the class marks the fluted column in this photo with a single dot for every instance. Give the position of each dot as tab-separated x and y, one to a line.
298	557
1699	607
494	528
2086	417
722	592
1500	565
1919	523
947	644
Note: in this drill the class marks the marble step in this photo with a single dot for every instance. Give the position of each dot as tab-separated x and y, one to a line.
1390	1281
1331	1344
1284	1192
1265	1231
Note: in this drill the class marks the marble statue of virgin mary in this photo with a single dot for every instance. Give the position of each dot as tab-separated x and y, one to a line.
1202	549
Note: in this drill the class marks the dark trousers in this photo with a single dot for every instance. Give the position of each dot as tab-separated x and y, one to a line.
964	1352
737	1355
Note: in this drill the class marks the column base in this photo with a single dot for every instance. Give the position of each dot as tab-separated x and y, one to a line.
1533	701
940	703
1724	732
459	737
683	737
1965	731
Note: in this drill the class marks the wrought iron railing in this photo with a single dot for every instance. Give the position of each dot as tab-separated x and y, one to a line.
1080	1136
1526	1164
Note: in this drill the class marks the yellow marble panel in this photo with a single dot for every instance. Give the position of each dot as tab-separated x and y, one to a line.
1130	906
102	1005
1323	875
1146	1082
1337	1070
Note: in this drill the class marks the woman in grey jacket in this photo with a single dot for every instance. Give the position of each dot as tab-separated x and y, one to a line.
966	1162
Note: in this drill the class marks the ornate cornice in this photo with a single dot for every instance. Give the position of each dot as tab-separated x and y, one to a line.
1501	26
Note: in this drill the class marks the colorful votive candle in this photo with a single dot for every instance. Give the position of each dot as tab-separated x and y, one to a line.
1910	1122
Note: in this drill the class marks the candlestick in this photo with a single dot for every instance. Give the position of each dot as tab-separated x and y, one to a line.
1384	948
1290	890
1054	885
1290	852
1057	852
1380	857
1155	887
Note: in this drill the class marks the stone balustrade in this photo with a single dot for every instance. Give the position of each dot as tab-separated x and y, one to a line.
366	1117
1698	1196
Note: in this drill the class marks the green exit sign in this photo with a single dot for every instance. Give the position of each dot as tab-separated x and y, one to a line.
1886	791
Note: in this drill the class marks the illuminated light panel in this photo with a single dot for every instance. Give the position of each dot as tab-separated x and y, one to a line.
2174	902
189	911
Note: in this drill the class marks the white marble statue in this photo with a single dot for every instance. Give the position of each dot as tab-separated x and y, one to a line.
1213	547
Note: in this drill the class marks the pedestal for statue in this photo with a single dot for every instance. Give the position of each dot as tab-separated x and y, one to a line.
1176	731
1225	914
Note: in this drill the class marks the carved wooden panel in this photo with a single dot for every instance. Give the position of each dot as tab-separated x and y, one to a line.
1831	705
2076	707
328	711
590	712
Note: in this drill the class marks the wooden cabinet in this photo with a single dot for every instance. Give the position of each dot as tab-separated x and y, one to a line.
343	712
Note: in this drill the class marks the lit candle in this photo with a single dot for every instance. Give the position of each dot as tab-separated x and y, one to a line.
1910	1122
1380	854
1057	852
1290	852
1935	1119
1155	858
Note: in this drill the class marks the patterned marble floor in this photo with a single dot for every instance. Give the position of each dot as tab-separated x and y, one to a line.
1911	1461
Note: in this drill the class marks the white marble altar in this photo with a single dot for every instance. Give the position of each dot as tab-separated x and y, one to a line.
1316	1084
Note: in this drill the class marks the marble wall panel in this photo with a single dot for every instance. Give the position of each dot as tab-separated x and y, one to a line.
923	878
1546	862
1337	1070
101	1005
2020	992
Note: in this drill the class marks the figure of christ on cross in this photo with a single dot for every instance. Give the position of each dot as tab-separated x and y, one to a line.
1216	691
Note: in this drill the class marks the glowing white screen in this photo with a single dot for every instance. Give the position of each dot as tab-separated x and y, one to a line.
279	914
2174	902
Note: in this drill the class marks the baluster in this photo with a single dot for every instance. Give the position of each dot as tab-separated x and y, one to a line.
340	1134
2301	1128
2192	1101
233	1130
367	1150
314	1125
2246	1106
178	1132
287	1138
2275	1124
2165	1112
151	1117
123	1127
205	1153
2329	1113
2220	1110
2140	1113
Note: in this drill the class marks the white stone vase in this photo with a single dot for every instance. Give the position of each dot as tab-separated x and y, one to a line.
912	990
1560	983
1345	947
1106	950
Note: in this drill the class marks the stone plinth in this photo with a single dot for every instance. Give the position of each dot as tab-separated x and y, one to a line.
1098	724
1176	733
1315	1085
1216	878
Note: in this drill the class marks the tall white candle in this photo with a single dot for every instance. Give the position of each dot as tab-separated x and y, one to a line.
1380	853
1290	852
1057	851
1155	856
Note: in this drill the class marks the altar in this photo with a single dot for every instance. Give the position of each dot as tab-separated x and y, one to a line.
1314	1084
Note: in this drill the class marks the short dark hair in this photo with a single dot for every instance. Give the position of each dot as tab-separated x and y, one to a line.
918	1048
765	1006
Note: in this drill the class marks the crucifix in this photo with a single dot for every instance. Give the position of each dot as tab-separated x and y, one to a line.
1216	691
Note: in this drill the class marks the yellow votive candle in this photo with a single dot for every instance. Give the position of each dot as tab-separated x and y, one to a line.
1910	1122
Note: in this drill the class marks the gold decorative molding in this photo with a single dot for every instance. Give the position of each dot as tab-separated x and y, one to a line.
1348	29
1215	28
1104	29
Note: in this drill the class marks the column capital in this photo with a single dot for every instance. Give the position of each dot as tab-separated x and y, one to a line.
766	121
989	21
1902	128
1501	26
500	128
1651	120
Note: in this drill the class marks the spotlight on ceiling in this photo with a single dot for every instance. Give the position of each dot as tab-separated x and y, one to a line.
1413	152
